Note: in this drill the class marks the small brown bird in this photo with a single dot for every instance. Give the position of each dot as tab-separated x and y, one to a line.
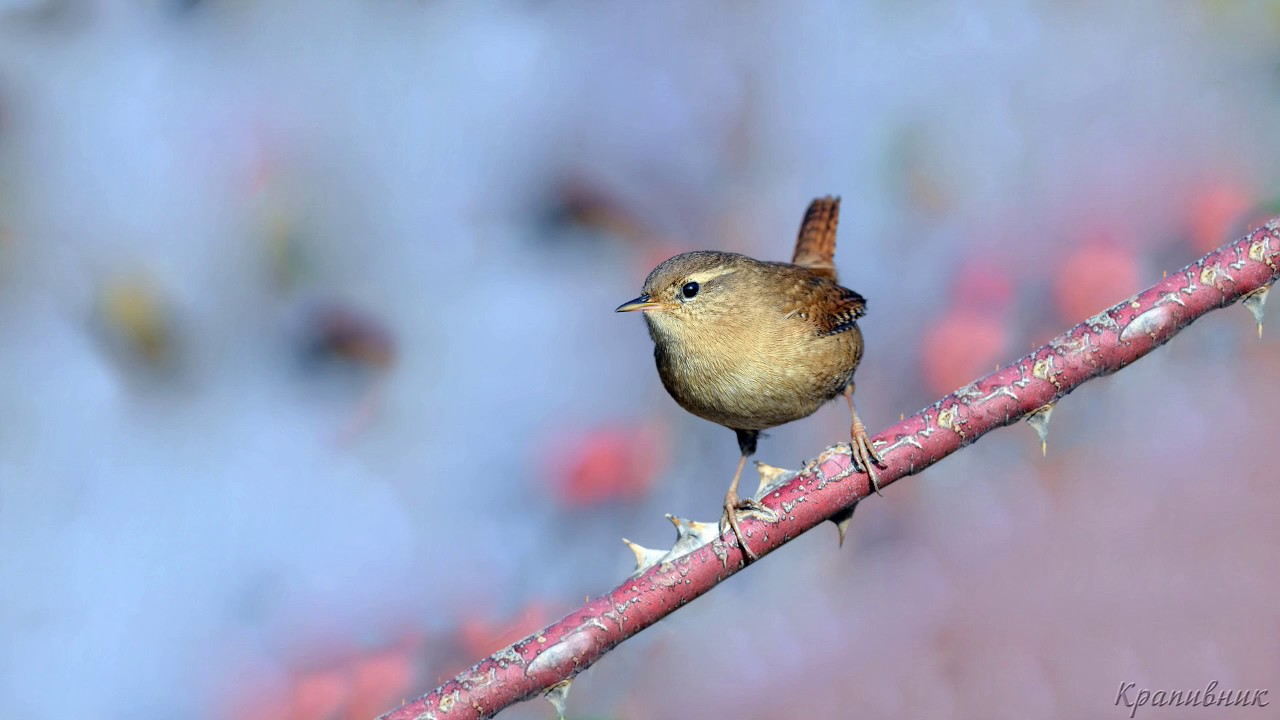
750	345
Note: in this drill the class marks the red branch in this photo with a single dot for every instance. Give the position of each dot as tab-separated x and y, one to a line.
1100	345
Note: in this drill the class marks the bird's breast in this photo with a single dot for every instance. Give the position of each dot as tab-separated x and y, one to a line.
759	379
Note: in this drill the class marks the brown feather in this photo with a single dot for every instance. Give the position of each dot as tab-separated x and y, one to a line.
829	307
816	243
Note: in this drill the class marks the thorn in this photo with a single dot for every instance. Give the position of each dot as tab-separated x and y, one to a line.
842	520
691	535
645	557
1164	274
1255	301
558	695
768	476
1039	421
682	525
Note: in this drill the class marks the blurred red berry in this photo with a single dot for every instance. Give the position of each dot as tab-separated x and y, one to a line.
1093	278
347	685
320	695
479	635
381	679
608	464
983	285
1216	214
960	347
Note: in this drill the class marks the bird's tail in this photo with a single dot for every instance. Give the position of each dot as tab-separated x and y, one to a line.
816	244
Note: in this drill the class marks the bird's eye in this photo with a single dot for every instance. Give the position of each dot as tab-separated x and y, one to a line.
689	290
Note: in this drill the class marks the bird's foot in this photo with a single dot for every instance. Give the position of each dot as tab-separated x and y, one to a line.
864	454
733	508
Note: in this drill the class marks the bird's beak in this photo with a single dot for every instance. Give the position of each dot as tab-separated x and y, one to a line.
641	303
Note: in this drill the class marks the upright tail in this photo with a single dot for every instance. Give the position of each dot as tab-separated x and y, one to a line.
816	243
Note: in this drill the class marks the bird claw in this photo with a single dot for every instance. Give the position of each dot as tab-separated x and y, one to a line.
733	507
865	457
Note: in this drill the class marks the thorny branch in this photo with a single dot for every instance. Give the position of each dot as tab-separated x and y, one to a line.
828	487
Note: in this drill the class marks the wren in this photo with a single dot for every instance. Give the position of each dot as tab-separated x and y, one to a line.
751	345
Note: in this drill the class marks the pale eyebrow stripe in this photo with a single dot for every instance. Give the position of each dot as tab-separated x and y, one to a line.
708	275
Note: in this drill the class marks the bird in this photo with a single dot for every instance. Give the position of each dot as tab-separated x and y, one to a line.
751	344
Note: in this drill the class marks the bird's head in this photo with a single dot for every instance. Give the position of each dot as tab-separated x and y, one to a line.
690	291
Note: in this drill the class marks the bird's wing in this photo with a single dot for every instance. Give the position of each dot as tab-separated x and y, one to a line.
828	307
816	244
840	312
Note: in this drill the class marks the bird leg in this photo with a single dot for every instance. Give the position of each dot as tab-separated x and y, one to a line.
864	453
734	505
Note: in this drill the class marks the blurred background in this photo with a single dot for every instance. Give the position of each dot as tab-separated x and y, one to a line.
312	393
